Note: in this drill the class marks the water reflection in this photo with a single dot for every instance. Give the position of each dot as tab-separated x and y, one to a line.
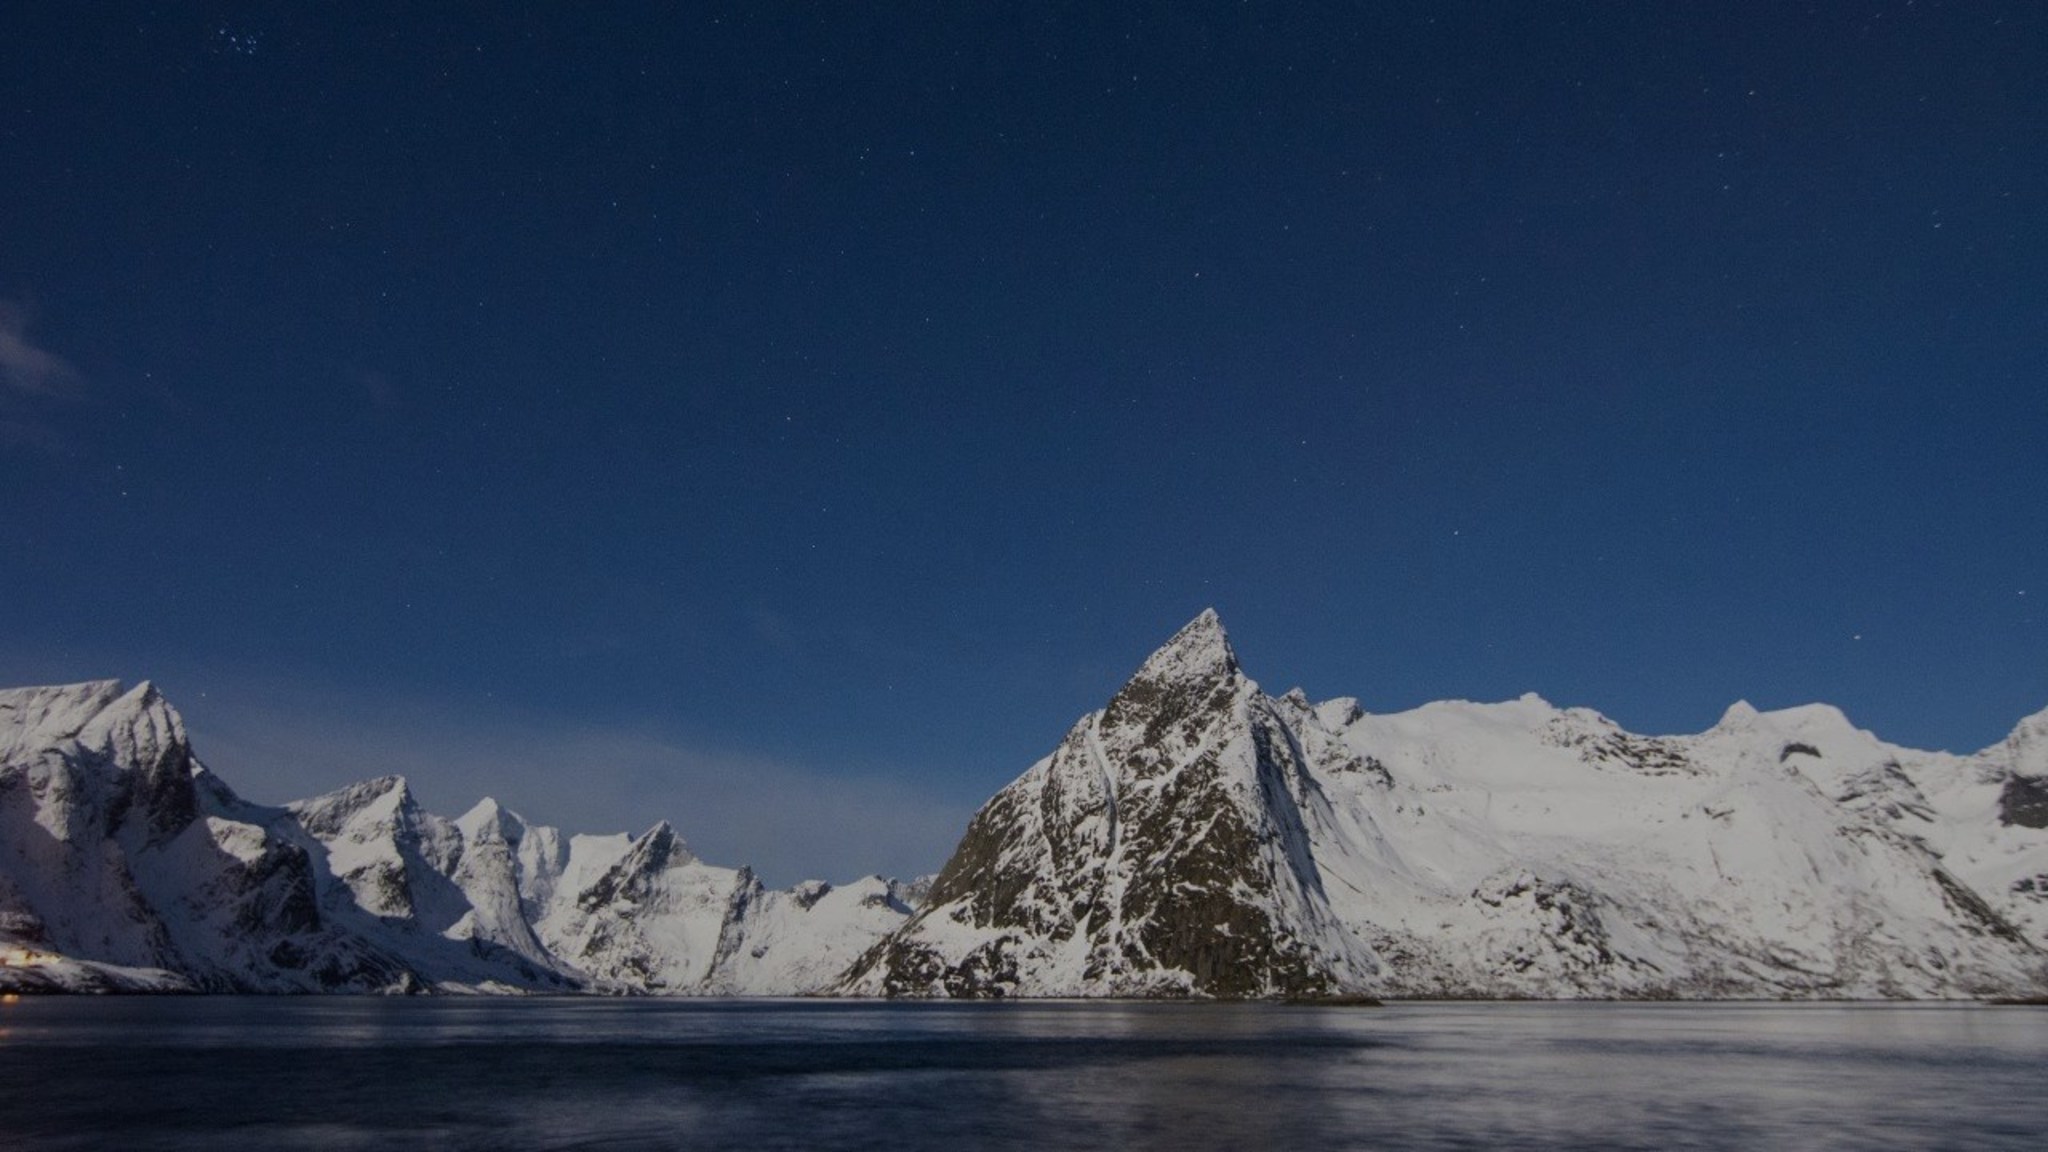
342	1073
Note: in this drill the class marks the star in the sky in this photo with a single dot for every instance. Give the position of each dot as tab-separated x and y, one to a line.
235	42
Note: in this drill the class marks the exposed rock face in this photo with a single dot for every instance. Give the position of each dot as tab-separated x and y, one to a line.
1161	850
126	865
1198	837
2023	802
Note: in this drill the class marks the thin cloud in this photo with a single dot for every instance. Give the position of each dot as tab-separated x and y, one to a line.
31	377
789	822
27	369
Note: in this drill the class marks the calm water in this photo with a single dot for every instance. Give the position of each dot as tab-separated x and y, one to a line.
347	1073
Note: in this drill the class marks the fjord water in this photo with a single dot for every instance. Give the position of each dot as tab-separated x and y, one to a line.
205	1073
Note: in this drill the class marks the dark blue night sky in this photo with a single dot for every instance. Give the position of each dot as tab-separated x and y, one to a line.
788	418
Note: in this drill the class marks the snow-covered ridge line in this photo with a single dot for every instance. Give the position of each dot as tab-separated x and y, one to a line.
1199	837
125	865
1194	837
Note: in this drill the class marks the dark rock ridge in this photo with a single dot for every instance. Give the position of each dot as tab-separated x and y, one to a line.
2023	802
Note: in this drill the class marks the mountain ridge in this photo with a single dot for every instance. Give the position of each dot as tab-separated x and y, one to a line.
1194	837
126	865
1487	850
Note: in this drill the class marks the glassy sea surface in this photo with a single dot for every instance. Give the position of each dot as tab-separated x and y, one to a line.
230	1072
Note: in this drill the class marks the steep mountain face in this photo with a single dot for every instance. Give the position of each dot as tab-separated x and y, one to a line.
1198	837
126	865
1162	849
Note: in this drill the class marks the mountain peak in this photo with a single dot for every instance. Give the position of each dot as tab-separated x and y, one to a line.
2027	747
489	820
382	798
1741	714
1192	681
1813	717
1199	651
96	713
389	784
139	727
659	845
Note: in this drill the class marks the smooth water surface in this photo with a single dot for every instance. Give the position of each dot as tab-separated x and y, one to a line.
206	1073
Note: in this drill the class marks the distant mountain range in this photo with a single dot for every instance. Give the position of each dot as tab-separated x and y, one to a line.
125	865
1196	837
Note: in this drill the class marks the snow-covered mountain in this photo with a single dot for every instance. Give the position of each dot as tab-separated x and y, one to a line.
1195	837
1200	837
126	865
